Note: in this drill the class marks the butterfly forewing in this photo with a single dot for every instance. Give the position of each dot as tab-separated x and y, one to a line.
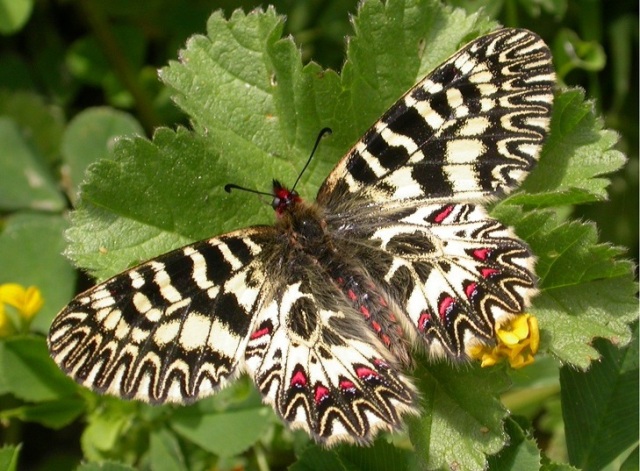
323	309
172	329
472	128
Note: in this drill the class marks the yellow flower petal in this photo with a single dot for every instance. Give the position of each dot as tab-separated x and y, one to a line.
534	334
33	302
517	342
476	352
520	326
489	360
27	301
11	293
5	323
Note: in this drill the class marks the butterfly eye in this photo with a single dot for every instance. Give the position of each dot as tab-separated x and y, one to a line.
277	201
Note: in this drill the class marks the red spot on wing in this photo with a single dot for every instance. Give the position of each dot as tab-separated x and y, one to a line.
442	215
321	393
352	295
481	254
424	320
260	333
365	373
376	326
299	379
347	385
471	289
488	272
386	340
365	312
446	305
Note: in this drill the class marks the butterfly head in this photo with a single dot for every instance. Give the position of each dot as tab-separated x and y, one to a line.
283	198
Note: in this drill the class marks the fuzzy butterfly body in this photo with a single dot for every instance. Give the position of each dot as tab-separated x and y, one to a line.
323	309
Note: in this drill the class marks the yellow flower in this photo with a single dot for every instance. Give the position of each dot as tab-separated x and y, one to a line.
5	323
27	301
517	341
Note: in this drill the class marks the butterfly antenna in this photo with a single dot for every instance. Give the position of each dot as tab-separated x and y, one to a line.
232	186
315	146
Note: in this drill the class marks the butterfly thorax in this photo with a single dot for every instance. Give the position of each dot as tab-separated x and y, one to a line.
304	227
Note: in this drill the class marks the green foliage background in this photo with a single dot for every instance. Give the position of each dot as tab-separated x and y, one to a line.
75	75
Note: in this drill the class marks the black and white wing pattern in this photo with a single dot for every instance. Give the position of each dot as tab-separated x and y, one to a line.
323	308
413	186
173	329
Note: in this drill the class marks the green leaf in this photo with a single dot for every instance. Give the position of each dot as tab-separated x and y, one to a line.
171	183
53	414
31	244
105	466
41	123
90	136
164	451
109	432
25	181
461	420
631	463
315	458
585	291
574	158
521	454
600	406
27	372
14	14
557	467
9	457
381	456
223	433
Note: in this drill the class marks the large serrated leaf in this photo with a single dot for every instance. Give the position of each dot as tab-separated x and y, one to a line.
576	155
522	453
461	421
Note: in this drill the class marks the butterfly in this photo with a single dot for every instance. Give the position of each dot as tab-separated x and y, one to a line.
324	308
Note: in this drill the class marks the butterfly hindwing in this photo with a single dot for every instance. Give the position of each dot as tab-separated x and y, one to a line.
454	271
320	367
